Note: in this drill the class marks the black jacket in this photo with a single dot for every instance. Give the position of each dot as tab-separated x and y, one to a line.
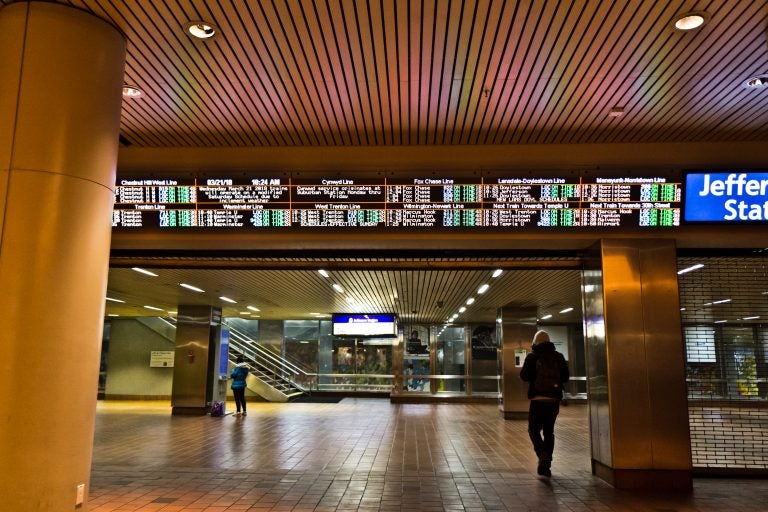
528	373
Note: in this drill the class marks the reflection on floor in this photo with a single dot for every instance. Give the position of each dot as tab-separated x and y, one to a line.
361	454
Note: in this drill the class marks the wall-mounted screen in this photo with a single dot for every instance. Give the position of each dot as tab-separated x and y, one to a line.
497	203
363	325
726	196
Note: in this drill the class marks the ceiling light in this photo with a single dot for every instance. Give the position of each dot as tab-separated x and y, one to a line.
141	270
338	288
689	269
245	312
200	29
497	272
546	317
757	82
131	91
252	308
115	314
190	287
470	301
153	308
483	289
691	20
750	317
462	309
323	273
227	299
721	301
566	310
115	300
720	321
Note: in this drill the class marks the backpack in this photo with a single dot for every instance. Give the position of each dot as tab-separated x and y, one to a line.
547	381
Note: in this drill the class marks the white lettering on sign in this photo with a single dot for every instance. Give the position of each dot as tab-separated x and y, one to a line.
734	184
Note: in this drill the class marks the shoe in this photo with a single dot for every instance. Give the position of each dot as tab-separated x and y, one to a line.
543	467
237	413
245	413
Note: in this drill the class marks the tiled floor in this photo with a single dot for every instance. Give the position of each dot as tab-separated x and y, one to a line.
362	454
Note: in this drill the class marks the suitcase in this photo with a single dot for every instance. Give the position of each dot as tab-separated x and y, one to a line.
217	409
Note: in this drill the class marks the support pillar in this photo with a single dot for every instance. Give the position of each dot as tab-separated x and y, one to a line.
636	366
196	362
518	325
60	98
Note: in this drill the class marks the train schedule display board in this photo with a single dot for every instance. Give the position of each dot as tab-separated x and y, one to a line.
494	203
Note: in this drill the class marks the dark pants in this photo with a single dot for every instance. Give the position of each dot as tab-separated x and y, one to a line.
239	398
541	418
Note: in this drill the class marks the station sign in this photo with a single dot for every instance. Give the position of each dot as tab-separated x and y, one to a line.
734	197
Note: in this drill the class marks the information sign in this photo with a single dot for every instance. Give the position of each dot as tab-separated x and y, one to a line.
726	197
393	203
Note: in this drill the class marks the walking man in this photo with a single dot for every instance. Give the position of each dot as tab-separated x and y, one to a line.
545	370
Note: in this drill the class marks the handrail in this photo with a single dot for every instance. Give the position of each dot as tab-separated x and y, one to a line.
273	364
267	354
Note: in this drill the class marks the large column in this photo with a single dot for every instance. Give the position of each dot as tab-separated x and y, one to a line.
60	97
195	367
636	367
518	325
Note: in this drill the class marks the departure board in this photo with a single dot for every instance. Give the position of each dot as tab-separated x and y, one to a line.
413	202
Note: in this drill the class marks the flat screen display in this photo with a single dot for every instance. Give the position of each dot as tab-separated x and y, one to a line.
733	197
363	325
246	202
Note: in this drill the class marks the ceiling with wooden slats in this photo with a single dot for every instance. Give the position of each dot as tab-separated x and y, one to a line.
436	72
331	73
416	295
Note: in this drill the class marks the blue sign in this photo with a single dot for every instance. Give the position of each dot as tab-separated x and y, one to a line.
365	325
726	197
224	353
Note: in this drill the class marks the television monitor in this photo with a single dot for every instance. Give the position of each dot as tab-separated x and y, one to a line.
365	325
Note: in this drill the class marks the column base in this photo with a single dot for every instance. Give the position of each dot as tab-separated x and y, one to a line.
189	411
644	479
515	415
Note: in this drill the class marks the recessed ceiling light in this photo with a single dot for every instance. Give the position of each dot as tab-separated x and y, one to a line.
483	289
462	309
153	308
252	308
497	272
190	287
546	317
115	300
691	20
227	299
338	288
115	314
142	271
323	273
200	29
750	317
131	91
470	301
566	310
757	82
689	269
